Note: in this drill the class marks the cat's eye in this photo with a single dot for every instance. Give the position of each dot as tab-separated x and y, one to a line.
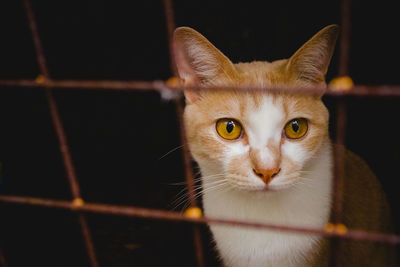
229	129
296	128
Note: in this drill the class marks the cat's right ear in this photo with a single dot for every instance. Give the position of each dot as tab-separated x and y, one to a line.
199	62
310	63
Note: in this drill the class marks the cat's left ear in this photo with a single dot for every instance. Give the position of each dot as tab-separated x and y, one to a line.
310	63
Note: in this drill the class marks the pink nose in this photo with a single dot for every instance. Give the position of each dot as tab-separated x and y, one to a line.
266	175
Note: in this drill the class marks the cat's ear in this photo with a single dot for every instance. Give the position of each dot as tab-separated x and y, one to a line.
310	63
198	61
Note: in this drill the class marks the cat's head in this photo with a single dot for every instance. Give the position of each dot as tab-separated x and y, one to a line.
257	140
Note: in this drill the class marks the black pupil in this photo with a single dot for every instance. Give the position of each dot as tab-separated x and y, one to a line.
295	126
229	126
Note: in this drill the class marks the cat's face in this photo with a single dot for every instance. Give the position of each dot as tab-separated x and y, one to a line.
262	146
258	141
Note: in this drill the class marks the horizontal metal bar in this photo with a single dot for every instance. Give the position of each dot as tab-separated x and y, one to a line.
85	84
140	212
357	90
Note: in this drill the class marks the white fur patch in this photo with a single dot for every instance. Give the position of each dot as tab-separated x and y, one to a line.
295	152
237	148
265	124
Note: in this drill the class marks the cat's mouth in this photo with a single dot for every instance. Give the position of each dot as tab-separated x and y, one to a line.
268	189
249	184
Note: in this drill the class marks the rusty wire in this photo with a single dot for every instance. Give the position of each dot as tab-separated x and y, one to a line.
3	262
189	175
59	129
341	115
159	85
174	216
79	206
341	120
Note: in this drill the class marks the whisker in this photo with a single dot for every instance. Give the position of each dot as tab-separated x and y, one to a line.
196	180
200	191
209	182
169	152
183	194
198	194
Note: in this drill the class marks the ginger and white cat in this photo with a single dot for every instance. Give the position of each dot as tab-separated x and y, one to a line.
267	157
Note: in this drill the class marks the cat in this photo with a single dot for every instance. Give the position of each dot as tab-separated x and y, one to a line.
267	157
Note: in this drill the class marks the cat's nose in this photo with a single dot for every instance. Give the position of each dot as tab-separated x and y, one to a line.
266	175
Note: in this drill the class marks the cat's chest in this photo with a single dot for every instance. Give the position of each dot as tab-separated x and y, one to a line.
291	208
255	247
240	246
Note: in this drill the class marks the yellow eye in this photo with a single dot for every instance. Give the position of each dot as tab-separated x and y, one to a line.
296	128
229	129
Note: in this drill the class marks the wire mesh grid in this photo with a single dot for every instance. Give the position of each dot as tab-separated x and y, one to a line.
80	207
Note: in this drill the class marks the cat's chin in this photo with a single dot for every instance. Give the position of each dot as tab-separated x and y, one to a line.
265	189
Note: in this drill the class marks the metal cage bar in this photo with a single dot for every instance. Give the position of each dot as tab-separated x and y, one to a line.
173	216
159	85
3	262
189	175
59	129
341	120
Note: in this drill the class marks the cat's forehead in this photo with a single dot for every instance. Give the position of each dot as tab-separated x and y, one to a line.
244	105
263	74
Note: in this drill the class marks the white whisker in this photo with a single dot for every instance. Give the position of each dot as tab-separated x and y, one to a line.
199	190
169	152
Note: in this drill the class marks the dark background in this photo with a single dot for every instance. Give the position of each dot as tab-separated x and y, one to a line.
117	138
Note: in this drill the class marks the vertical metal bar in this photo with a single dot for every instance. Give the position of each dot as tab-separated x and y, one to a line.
87	237
339	153
62	139
189	176
341	115
170	23
344	56
339	172
71	175
198	246
341	119
3	262
341	111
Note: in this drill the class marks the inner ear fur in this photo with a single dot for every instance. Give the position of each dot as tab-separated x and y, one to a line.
198	60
